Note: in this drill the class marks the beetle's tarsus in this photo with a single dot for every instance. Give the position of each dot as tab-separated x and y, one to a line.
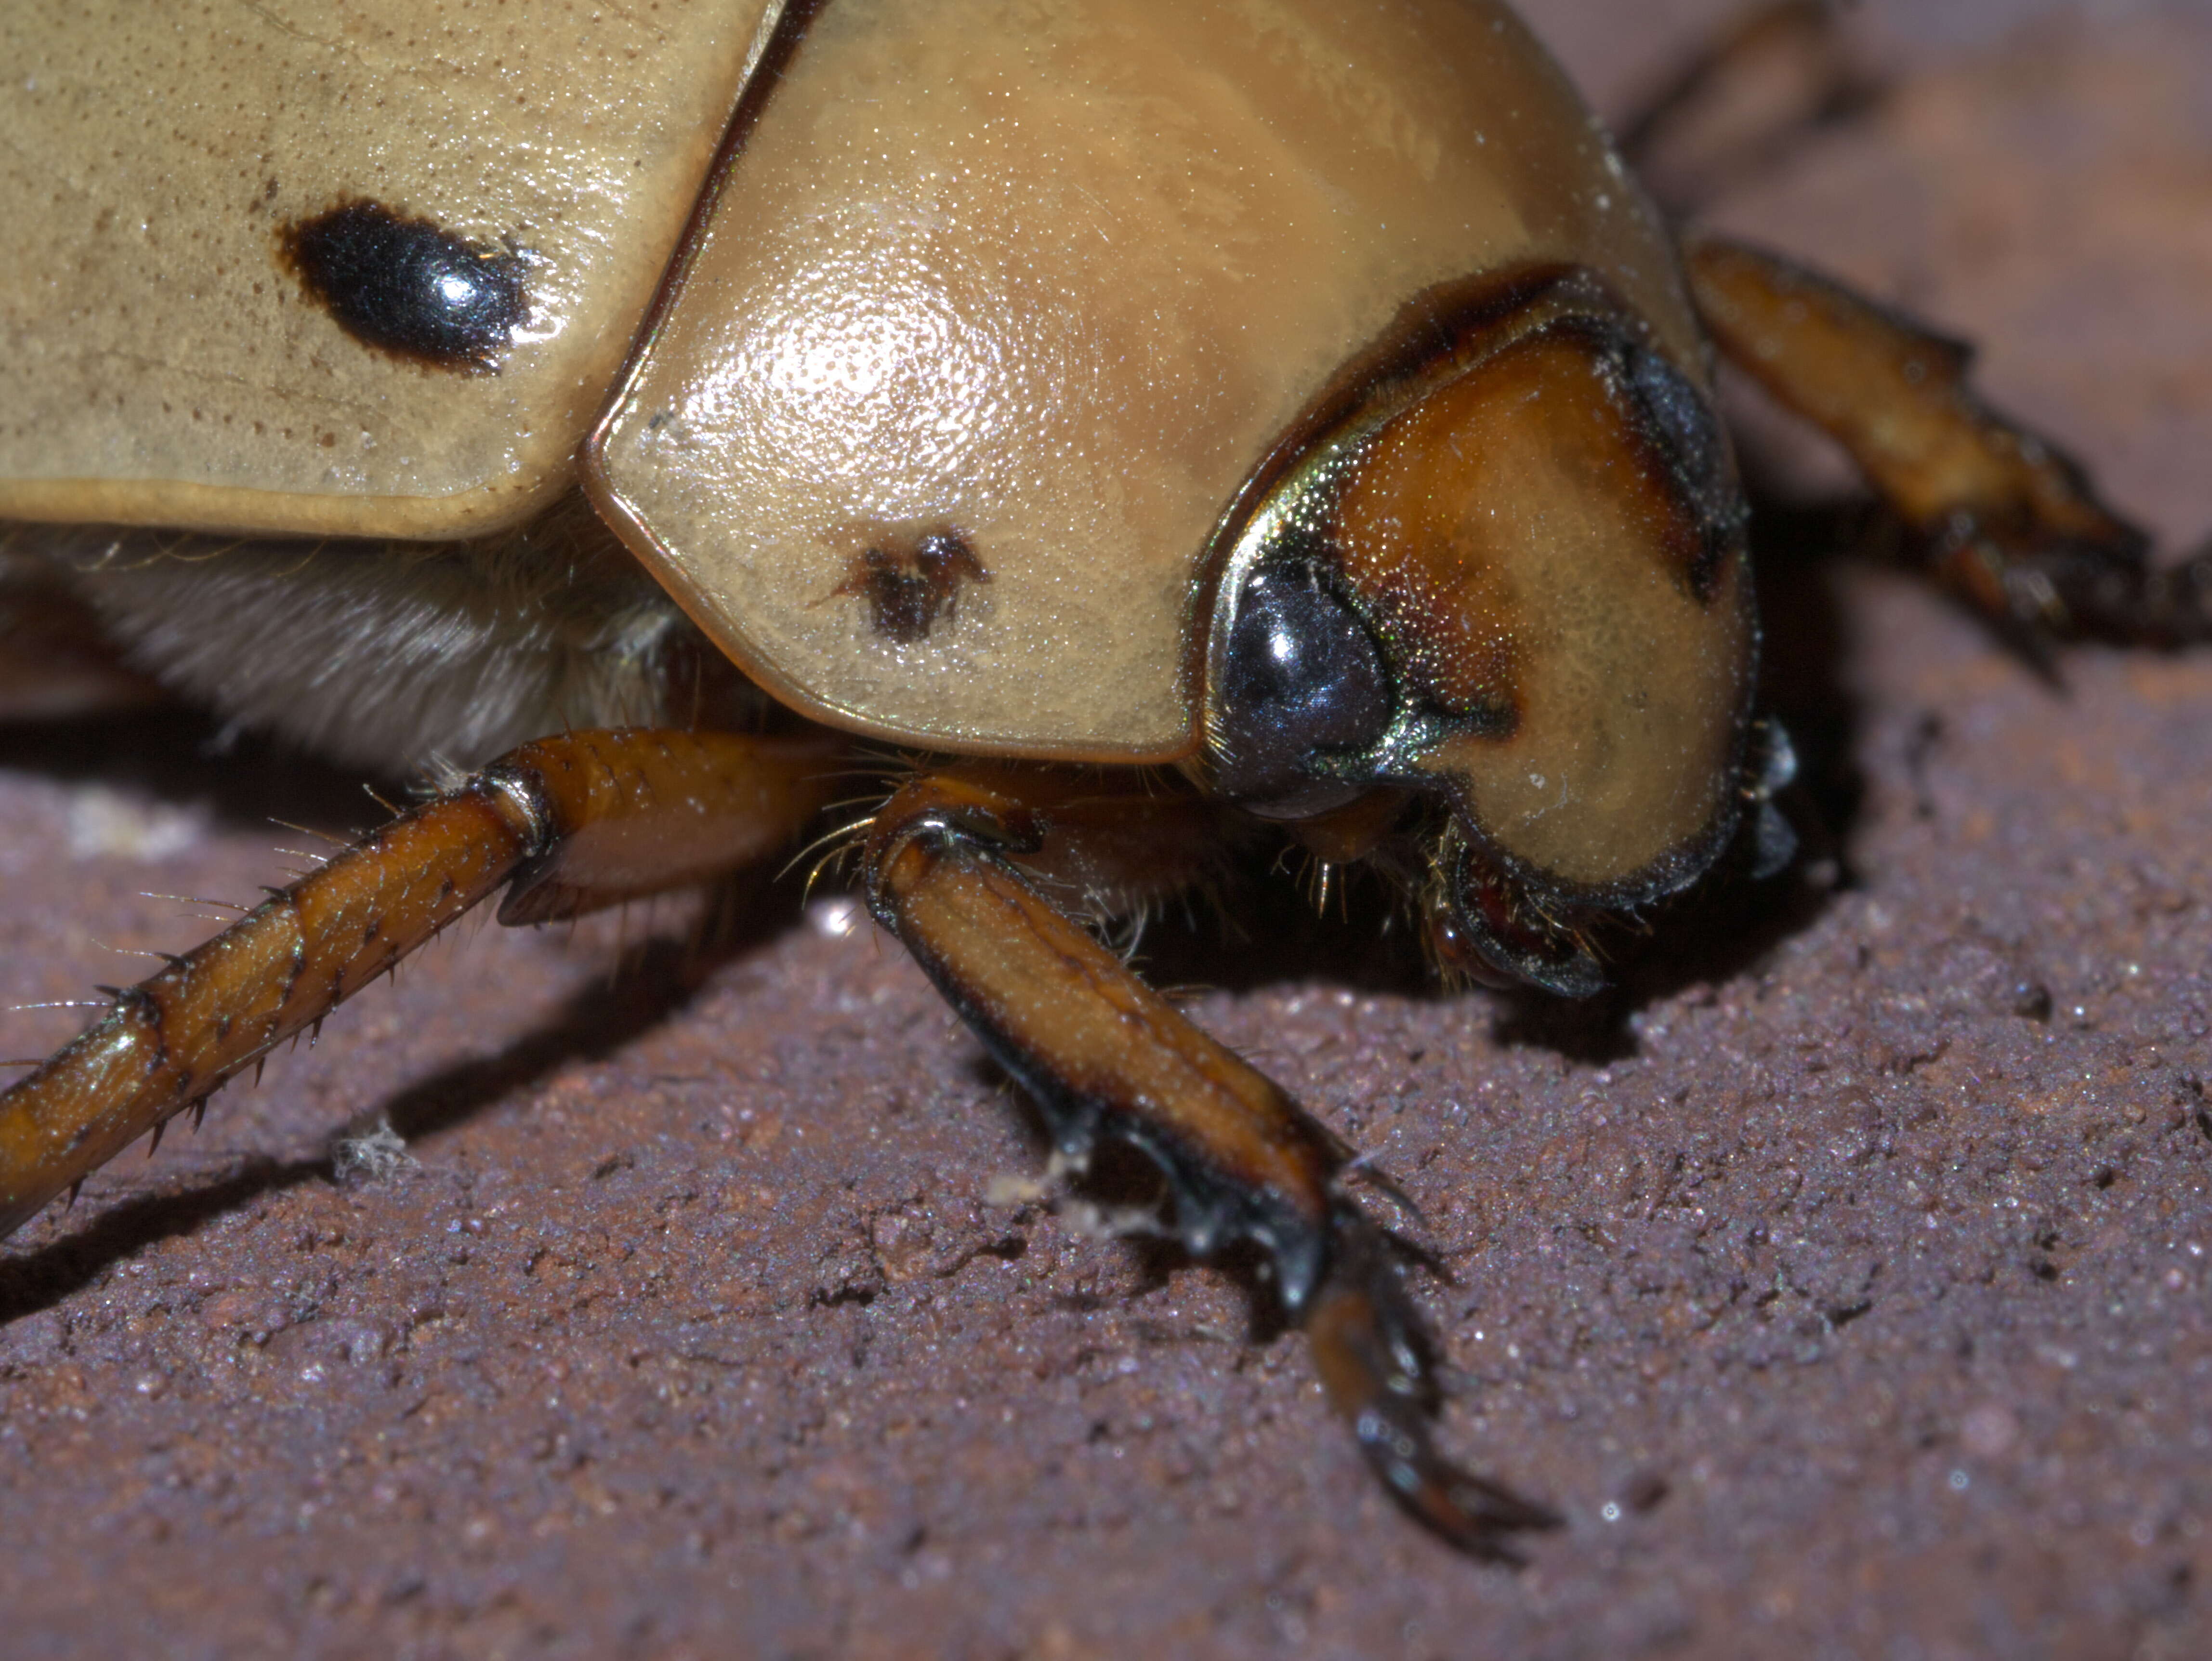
2044	595
1374	1358
2005	518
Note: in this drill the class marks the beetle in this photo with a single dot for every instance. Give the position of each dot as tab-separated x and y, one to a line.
1186	432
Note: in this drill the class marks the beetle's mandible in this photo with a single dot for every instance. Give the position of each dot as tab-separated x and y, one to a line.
1191	430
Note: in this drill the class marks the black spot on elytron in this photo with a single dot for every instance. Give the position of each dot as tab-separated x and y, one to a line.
909	585
408	286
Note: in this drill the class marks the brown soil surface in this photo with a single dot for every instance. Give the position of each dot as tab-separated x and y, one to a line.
1845	1277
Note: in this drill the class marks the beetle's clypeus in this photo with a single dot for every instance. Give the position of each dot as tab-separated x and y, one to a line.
1293	410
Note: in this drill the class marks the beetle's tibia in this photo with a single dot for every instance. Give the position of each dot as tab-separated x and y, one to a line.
1096	1049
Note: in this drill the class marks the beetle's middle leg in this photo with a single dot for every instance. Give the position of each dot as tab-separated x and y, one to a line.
1102	1054
2009	521
568	824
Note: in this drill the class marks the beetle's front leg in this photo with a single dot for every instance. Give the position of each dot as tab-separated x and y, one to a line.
1102	1053
569	823
2010	521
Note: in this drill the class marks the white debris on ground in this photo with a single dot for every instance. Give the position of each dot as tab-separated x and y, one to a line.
368	1151
106	822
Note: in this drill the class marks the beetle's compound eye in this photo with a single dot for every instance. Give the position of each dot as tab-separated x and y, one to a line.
1300	677
408	286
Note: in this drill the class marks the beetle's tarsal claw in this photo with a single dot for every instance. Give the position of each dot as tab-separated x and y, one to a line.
1374	1362
2037	589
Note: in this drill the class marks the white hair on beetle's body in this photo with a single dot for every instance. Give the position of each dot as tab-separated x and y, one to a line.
389	654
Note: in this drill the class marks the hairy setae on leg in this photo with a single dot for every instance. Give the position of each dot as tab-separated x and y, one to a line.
573	823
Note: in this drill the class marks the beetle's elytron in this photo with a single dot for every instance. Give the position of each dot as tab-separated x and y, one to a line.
1193	426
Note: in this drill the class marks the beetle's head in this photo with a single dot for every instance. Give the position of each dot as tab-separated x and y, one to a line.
1499	569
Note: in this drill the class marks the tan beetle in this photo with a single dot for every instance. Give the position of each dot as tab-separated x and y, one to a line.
1192	426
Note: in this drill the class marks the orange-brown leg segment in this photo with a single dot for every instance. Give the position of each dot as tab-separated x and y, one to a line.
2010	521
1104	1055
571	823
